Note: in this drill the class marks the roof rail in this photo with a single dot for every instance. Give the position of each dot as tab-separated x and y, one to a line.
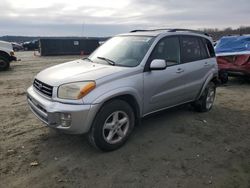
189	30
145	30
171	30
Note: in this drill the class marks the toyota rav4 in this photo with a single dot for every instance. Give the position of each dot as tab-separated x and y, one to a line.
129	77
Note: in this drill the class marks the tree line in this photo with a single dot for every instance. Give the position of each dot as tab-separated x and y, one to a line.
217	34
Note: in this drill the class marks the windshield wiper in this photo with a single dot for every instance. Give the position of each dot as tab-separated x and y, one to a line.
86	58
109	61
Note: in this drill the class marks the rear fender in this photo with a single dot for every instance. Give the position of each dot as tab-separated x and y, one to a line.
209	79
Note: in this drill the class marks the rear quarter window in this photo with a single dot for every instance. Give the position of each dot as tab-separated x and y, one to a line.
210	47
204	49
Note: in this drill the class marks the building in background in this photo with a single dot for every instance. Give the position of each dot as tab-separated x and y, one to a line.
67	46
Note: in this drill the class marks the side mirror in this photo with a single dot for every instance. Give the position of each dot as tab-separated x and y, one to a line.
158	64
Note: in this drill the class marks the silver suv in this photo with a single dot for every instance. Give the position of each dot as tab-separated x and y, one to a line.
129	77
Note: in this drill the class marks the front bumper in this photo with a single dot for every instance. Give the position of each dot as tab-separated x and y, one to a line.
49	112
12	58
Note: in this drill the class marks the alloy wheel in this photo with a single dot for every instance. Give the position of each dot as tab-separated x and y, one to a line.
210	98
116	127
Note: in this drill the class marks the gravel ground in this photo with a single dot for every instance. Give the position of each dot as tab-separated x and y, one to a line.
174	148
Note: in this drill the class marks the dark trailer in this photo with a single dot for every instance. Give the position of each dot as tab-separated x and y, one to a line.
67	46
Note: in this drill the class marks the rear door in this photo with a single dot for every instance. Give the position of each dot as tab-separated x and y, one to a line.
194	59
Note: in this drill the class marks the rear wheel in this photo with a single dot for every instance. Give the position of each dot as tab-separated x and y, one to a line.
4	63
112	126
206	101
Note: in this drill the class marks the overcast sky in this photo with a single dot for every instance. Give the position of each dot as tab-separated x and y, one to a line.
109	17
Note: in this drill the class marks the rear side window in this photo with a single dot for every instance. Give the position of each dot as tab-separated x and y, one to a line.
204	49
190	49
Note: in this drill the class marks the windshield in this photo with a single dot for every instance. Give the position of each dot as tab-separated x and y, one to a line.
122	51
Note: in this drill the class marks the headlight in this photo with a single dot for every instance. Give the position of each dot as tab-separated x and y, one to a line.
12	53
76	90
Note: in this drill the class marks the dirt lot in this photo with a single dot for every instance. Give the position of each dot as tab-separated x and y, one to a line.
175	148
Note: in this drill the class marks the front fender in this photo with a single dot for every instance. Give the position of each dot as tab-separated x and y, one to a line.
120	92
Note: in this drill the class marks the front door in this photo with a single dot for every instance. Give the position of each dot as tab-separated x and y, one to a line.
162	88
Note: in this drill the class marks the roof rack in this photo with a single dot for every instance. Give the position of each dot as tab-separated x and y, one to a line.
171	30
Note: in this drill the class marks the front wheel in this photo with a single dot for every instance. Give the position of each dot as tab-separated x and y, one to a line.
112	126
206	101
4	63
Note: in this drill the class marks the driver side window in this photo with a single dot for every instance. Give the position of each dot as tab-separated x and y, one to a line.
169	50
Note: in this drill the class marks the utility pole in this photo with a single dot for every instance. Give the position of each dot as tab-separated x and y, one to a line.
83	29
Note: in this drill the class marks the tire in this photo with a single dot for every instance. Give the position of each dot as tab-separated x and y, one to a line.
112	126
223	76
4	63
247	78
205	102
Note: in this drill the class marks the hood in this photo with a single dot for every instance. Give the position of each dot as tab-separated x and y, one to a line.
78	70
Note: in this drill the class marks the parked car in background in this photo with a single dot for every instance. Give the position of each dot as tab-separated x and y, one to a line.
233	56
6	55
128	77
17	47
31	45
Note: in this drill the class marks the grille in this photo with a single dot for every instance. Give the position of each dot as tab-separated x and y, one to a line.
43	88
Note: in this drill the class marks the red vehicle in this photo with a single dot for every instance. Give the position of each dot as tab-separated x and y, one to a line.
235	65
233	57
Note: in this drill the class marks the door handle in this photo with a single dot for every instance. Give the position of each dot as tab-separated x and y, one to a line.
179	70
